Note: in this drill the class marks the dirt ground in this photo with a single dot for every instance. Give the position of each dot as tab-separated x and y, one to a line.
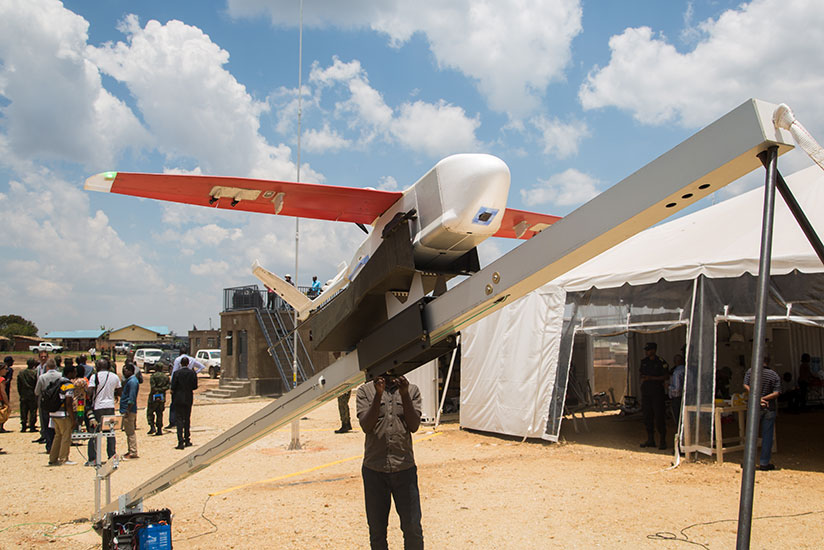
596	489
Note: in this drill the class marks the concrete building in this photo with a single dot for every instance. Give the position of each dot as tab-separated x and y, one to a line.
139	334
77	340
256	345
204	339
22	343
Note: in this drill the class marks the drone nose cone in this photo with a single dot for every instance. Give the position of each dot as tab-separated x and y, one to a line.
473	166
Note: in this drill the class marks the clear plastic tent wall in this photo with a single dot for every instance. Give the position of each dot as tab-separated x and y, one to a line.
608	313
796	300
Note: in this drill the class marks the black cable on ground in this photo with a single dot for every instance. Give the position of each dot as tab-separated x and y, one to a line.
666	535
203	515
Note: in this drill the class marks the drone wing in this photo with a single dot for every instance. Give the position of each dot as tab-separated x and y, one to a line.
304	200
520	224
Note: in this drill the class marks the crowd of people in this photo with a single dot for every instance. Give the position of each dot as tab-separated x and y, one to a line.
67	395
658	383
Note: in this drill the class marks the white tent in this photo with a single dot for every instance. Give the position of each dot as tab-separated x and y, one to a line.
509	349
722	240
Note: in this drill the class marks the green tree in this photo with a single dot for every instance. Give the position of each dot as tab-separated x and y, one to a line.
15	324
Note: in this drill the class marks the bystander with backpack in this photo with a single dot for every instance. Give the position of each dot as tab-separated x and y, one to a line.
49	375
58	399
104	388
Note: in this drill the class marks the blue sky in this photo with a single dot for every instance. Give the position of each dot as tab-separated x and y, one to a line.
572	95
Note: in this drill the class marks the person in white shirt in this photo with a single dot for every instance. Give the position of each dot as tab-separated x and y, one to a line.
676	387
194	364
104	388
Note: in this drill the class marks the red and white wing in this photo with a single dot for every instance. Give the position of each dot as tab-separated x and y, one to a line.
520	224
304	200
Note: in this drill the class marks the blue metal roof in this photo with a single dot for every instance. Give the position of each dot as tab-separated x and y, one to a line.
158	329
80	334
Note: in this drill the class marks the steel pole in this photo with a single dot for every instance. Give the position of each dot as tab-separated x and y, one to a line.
800	217
294	444
769	158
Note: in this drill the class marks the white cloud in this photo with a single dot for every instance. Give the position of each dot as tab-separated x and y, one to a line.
690	33
512	49
323	140
559	138
436	129
338	71
209	235
191	103
68	265
367	104
388	183
210	267
569	188
57	107
768	49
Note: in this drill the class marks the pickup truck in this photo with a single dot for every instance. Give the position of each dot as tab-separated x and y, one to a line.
211	360
46	346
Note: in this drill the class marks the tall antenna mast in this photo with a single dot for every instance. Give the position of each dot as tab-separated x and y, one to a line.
295	442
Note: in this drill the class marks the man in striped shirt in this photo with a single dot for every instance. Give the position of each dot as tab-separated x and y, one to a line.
770	389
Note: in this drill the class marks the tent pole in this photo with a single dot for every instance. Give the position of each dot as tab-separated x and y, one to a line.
769	158
799	215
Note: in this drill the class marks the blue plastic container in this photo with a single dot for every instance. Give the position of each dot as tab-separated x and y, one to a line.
155	537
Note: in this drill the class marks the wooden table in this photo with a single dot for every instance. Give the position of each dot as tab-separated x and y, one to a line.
720	445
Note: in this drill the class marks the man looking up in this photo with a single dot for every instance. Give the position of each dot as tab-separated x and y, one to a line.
389	412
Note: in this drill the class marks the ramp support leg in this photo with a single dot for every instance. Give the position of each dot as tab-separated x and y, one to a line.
770	159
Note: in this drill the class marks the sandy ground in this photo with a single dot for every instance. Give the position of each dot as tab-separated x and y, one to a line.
594	490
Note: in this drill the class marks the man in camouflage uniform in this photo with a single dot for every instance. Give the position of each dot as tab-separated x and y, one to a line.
159	384
26	381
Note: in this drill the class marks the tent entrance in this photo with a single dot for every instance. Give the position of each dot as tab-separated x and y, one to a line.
604	362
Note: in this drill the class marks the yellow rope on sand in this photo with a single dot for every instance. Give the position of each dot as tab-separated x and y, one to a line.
308	470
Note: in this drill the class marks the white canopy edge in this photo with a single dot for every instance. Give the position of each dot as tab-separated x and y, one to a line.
722	240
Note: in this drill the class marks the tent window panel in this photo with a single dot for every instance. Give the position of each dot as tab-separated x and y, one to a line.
609	366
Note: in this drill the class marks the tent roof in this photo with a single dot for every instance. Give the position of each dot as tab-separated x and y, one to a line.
722	240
